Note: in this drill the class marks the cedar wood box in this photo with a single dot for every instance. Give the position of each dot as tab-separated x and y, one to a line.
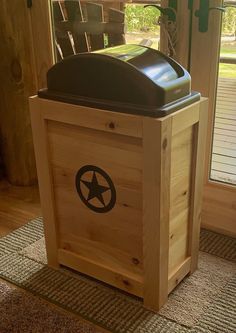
149	241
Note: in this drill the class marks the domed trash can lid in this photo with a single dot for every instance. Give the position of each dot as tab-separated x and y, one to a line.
128	78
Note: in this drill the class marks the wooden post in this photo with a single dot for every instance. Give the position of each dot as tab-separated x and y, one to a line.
156	208
116	16
95	14
17	83
45	180
26	55
199	155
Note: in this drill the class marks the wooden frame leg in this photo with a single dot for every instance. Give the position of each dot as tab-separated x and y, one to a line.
156	204
197	184
45	182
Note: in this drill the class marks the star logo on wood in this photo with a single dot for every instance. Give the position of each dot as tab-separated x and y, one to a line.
95	189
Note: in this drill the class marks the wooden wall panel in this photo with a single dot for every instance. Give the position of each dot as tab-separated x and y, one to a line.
16	85
181	155
26	55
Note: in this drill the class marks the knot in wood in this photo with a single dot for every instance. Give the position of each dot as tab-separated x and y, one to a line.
126	283
135	261
112	125
164	144
16	70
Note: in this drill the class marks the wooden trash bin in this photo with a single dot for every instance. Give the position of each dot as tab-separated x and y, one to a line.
121	193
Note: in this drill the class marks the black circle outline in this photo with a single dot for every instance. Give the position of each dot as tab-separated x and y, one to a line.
112	202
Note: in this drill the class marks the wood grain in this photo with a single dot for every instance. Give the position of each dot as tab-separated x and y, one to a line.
18	205
180	192
141	245
45	182
156	207
73	147
108	121
198	173
18	82
119	278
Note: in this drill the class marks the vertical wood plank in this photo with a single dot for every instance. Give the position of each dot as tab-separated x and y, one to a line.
156	206
95	14
75	15
163	34
116	16
18	81
198	171
62	37
204	65
45	181
183	27
42	40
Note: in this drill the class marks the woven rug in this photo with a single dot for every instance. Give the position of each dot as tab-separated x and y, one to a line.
203	302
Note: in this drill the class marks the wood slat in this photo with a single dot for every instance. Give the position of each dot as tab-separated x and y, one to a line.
225	102
95	15
223	115
45	181
62	36
223	144
224	159
112	122
224	138
217	166
132	284
225	132
223	166
230	128
91	28
156	205
224	151
75	15
116	16
223	177
223	120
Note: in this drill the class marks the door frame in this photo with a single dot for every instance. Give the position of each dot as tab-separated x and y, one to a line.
219	200
39	17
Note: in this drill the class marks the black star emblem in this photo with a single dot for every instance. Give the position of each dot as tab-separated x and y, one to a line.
95	190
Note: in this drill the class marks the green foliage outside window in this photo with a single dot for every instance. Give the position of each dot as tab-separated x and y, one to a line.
229	22
140	19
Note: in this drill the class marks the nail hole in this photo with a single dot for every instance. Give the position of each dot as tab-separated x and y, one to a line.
164	144
126	282
135	261
112	125
16	70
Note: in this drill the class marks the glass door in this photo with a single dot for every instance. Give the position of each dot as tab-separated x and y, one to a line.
223	159
213	73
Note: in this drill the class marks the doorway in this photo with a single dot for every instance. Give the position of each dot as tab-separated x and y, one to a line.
223	160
